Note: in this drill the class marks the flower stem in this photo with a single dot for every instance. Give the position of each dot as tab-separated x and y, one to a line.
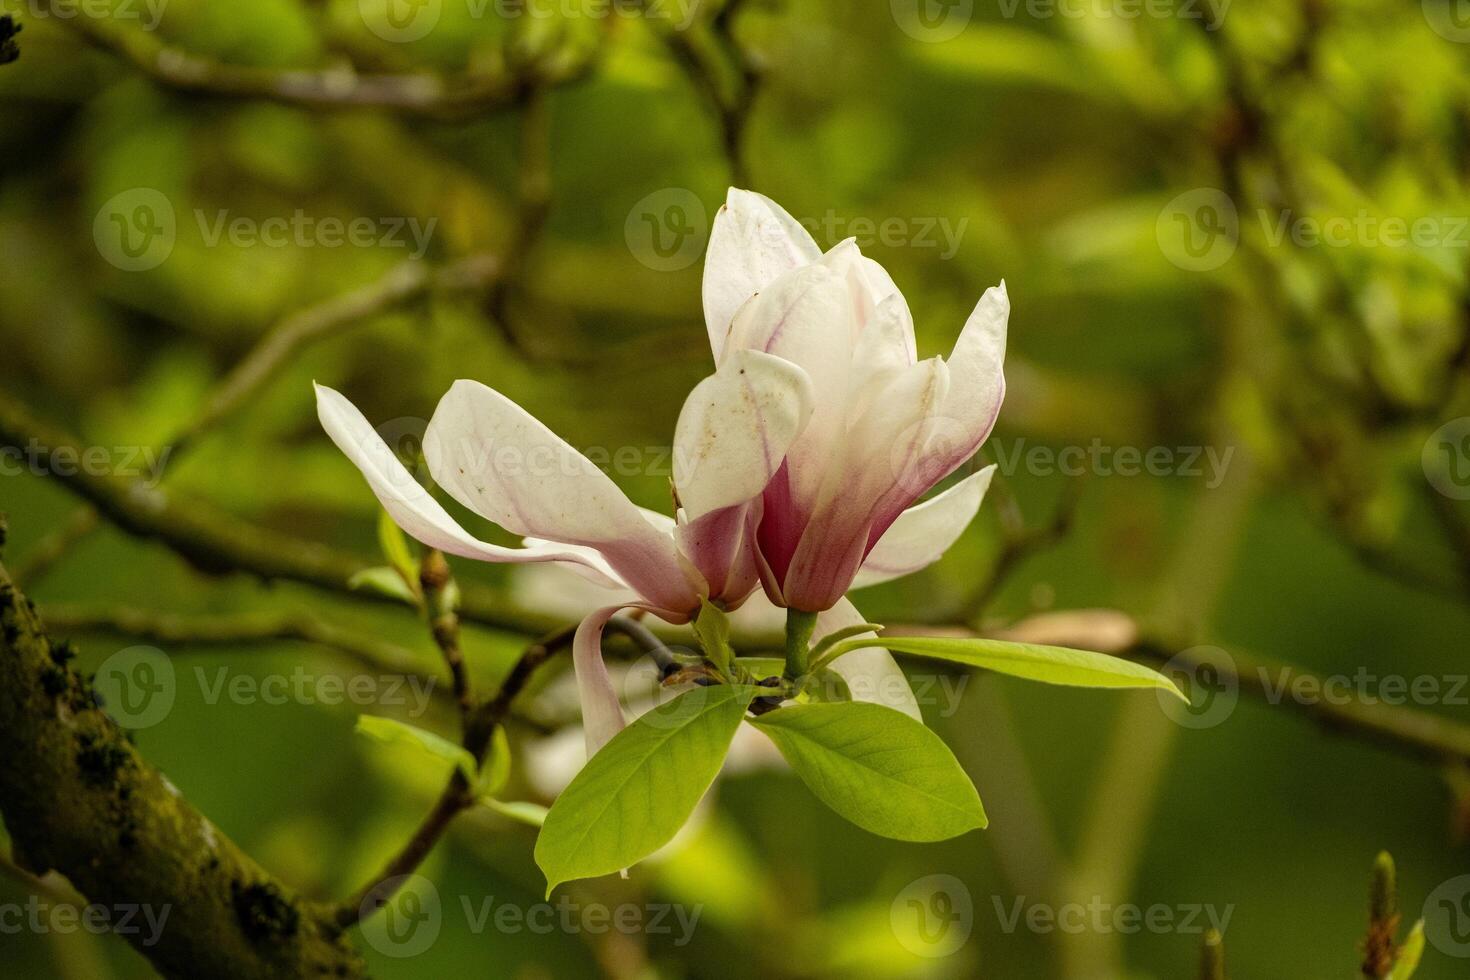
799	629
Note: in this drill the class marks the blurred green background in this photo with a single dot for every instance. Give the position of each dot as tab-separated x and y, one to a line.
1194	209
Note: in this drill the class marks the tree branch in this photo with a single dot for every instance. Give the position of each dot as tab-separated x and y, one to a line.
78	798
419	93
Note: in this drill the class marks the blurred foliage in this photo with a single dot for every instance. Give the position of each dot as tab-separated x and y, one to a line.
1047	149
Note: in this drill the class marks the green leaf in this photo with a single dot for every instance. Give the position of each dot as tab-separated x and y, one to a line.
633	796
878	768
1050	665
1409	955
383	581
395	549
712	627
847	632
531	814
396	732
496	771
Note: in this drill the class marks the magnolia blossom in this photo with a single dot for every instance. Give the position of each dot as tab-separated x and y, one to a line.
793	463
886	426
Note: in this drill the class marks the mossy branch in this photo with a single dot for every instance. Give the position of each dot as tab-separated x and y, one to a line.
78	798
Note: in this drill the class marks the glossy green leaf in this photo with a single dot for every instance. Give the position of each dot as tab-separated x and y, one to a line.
496	771
633	796
384	581
712	627
1050	665
396	732
531	814
394	545
1409	954
878	768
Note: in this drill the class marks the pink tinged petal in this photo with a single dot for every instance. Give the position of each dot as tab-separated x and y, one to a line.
806	318
502	463
410	505
867	481
871	674
978	386
735	429
754	241
925	532
602	715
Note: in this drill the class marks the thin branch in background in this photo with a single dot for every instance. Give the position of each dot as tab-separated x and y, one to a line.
55	546
726	75
1212	956
404	283
458	795
438	588
533	205
215	542
232	630
419	93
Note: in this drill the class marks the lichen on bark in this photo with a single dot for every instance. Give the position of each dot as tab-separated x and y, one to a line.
77	797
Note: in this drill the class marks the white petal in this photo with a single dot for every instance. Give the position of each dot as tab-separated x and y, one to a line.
978	384
735	430
499	461
871	674
924	532
410	505
754	241
602	715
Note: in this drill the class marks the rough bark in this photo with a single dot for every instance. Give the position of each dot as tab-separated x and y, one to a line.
77	797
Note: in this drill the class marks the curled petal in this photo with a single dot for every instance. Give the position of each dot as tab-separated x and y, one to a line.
924	532
754	241
602	715
502	463
735	429
411	506
871	673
